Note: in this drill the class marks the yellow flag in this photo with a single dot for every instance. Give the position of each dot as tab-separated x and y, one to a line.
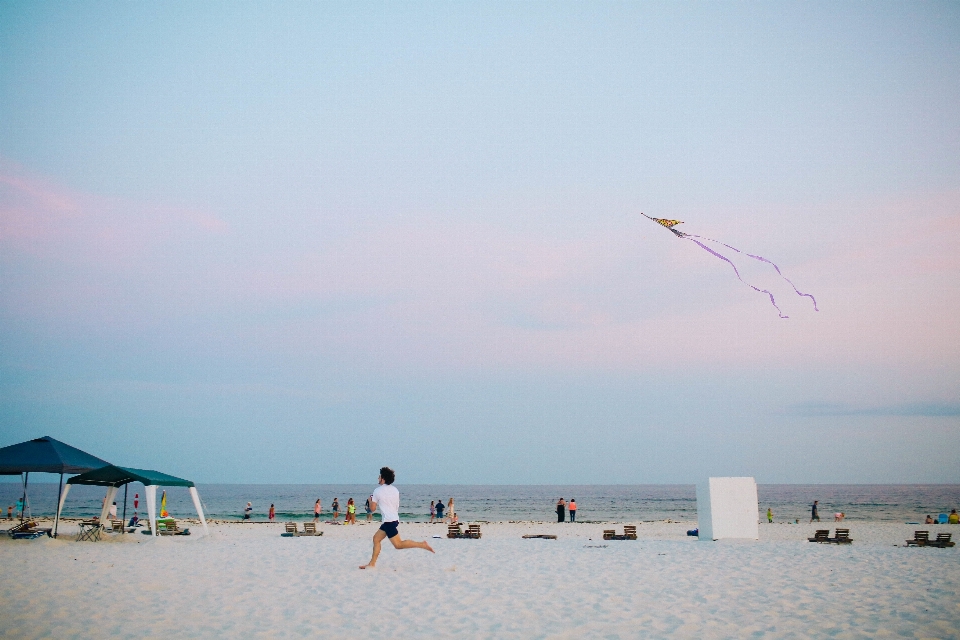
163	505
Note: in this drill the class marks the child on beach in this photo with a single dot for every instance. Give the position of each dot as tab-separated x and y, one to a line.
272	513
351	512
248	511
10	512
769	515
387	499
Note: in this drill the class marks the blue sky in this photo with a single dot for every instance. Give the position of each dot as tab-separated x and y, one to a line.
292	242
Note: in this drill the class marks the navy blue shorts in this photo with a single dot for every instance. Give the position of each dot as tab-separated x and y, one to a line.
390	528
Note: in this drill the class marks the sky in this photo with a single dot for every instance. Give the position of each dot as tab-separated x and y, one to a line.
293	242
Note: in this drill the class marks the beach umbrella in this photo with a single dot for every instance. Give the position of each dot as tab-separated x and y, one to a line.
45	455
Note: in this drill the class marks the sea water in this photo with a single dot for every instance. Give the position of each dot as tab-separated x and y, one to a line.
495	503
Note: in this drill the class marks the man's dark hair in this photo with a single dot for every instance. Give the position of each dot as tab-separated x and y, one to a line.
387	474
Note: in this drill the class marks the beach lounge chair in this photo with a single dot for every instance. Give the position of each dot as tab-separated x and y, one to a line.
842	537
171	528
942	541
920	539
290	530
629	533
453	531
90	530
822	535
541	536
116	526
473	531
23	527
310	529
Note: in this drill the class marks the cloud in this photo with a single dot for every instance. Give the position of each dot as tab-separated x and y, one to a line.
914	409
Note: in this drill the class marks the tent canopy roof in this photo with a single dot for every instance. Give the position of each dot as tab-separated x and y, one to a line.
112	476
46	455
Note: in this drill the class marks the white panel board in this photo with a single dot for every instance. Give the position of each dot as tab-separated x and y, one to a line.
728	508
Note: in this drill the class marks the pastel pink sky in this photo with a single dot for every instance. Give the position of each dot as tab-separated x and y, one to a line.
284	232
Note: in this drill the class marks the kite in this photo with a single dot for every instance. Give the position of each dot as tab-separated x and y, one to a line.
670	224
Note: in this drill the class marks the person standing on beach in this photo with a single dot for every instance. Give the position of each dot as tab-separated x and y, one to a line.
316	510
351	512
561	509
369	508
248	511
10	511
769	514
433	511
440	510
572	508
450	508
272	513
387	499
335	507
814	514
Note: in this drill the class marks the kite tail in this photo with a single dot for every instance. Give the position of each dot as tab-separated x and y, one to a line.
728	261
771	263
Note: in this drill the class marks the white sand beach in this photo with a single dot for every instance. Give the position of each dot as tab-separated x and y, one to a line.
245	580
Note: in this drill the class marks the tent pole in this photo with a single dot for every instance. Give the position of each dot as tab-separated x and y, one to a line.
23	504
124	529
56	522
63	498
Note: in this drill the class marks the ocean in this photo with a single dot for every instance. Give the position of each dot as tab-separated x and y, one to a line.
493	503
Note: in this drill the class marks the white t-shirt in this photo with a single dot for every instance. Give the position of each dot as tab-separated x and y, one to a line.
387	498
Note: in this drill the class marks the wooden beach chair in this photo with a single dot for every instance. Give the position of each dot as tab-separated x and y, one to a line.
168	529
842	537
290	530
310	529
822	535
453	531
920	539
473	531
629	533
24	527
942	541
116	526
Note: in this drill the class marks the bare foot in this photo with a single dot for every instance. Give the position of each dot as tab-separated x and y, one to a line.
427	546
368	566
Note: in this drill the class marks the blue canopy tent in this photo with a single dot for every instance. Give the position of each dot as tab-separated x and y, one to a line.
114	477
45	455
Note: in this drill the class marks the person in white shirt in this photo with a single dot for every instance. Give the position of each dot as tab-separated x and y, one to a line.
387	499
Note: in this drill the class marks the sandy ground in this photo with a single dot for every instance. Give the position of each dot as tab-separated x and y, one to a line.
246	580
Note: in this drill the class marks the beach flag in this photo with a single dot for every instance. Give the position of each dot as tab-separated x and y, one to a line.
163	506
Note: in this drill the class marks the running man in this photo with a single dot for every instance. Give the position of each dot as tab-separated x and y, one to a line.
387	499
